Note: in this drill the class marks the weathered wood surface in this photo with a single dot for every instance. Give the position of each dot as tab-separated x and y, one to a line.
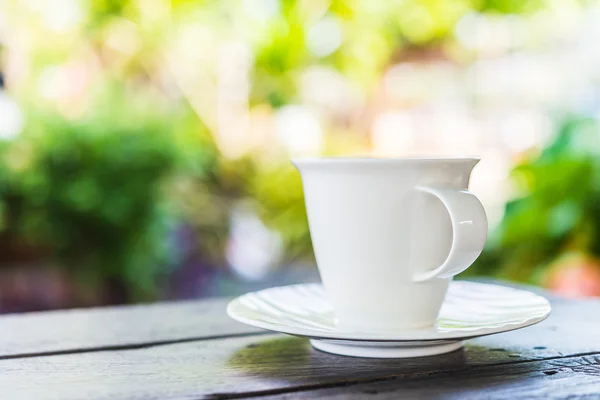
96	329
564	378
115	327
562	351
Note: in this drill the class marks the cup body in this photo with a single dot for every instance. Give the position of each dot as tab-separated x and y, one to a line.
373	230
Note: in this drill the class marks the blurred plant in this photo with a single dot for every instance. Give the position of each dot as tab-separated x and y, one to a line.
278	193
91	193
557	210
98	182
357	38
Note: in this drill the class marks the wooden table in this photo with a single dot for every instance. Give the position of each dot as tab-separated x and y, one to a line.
192	350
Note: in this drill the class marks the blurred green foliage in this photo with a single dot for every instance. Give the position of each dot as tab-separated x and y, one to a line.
557	207
374	33
278	193
91	193
104	171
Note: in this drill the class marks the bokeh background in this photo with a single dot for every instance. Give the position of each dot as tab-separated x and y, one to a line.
145	144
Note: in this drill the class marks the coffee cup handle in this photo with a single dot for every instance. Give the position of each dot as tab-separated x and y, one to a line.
469	231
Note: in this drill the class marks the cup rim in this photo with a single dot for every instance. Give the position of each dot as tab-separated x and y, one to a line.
334	160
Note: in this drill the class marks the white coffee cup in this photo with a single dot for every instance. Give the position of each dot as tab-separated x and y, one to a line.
389	235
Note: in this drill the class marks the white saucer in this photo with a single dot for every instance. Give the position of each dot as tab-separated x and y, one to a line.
470	310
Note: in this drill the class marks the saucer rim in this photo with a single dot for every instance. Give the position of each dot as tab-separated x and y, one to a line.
414	335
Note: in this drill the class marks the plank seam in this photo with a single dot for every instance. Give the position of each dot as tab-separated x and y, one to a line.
127	346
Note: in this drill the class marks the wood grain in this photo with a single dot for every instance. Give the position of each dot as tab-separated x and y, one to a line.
276	364
572	377
96	329
191	350
116	327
